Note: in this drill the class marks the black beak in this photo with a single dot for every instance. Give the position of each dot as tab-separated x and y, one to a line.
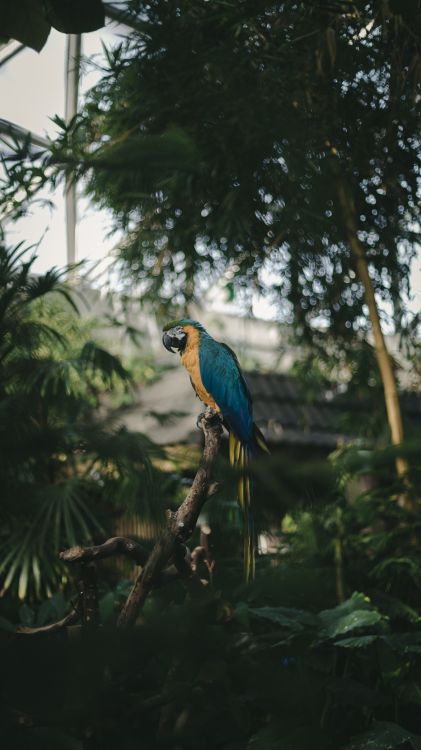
168	342
173	344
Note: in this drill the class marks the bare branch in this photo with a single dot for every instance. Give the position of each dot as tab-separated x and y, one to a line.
180	525
199	553
117	545
70	619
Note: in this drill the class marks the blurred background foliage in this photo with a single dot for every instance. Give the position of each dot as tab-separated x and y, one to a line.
218	134
66	470
221	136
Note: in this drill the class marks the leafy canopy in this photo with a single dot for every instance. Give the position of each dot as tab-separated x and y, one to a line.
218	135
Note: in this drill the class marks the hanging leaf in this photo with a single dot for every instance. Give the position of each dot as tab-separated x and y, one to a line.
30	21
25	22
76	16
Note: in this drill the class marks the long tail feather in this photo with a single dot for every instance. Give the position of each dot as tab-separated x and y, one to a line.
232	442
239	458
260	440
250	537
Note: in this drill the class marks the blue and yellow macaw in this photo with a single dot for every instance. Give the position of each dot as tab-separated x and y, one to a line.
216	377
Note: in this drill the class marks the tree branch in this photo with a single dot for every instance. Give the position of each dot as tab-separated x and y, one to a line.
120	545
86	608
180	525
117	545
70	619
170	548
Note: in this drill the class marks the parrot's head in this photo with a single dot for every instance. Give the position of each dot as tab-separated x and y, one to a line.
176	332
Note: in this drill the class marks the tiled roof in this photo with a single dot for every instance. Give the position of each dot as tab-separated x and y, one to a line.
282	412
285	415
281	409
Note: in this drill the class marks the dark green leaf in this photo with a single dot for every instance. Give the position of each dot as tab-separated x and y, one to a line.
76	16
25	21
384	736
357	612
404	643
275	736
26	615
359	642
289	618
107	606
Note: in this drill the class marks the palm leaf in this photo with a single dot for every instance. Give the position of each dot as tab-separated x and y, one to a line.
98	359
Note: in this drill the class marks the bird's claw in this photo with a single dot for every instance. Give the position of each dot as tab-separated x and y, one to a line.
200	416
210	415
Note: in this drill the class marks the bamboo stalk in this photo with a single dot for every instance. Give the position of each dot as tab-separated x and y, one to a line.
393	409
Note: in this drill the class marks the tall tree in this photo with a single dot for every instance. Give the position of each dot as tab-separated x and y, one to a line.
272	139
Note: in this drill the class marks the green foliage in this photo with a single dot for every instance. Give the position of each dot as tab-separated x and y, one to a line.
219	671
350	378
385	735
64	471
204	180
275	664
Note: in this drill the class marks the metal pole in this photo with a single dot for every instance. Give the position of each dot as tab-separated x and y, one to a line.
12	54
10	128
73	51
10	131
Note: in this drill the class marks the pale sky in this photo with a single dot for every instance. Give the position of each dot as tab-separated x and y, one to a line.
31	92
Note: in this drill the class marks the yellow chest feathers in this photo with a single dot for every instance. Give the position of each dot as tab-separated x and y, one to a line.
190	360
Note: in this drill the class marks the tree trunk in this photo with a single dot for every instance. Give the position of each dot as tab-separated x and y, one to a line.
384	361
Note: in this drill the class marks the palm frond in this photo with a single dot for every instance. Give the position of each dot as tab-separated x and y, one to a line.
63	473
47	283
101	361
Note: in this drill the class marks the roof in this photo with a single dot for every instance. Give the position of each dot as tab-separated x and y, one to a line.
283	414
167	411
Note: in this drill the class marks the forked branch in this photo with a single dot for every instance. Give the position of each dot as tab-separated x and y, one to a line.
170	558
180	525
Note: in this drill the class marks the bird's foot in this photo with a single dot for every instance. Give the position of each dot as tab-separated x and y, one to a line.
200	416
210	415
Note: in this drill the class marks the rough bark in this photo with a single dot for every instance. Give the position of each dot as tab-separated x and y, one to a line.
117	545
120	545
180	525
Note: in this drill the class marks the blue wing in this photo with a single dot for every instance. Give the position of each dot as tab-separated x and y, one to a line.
222	378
